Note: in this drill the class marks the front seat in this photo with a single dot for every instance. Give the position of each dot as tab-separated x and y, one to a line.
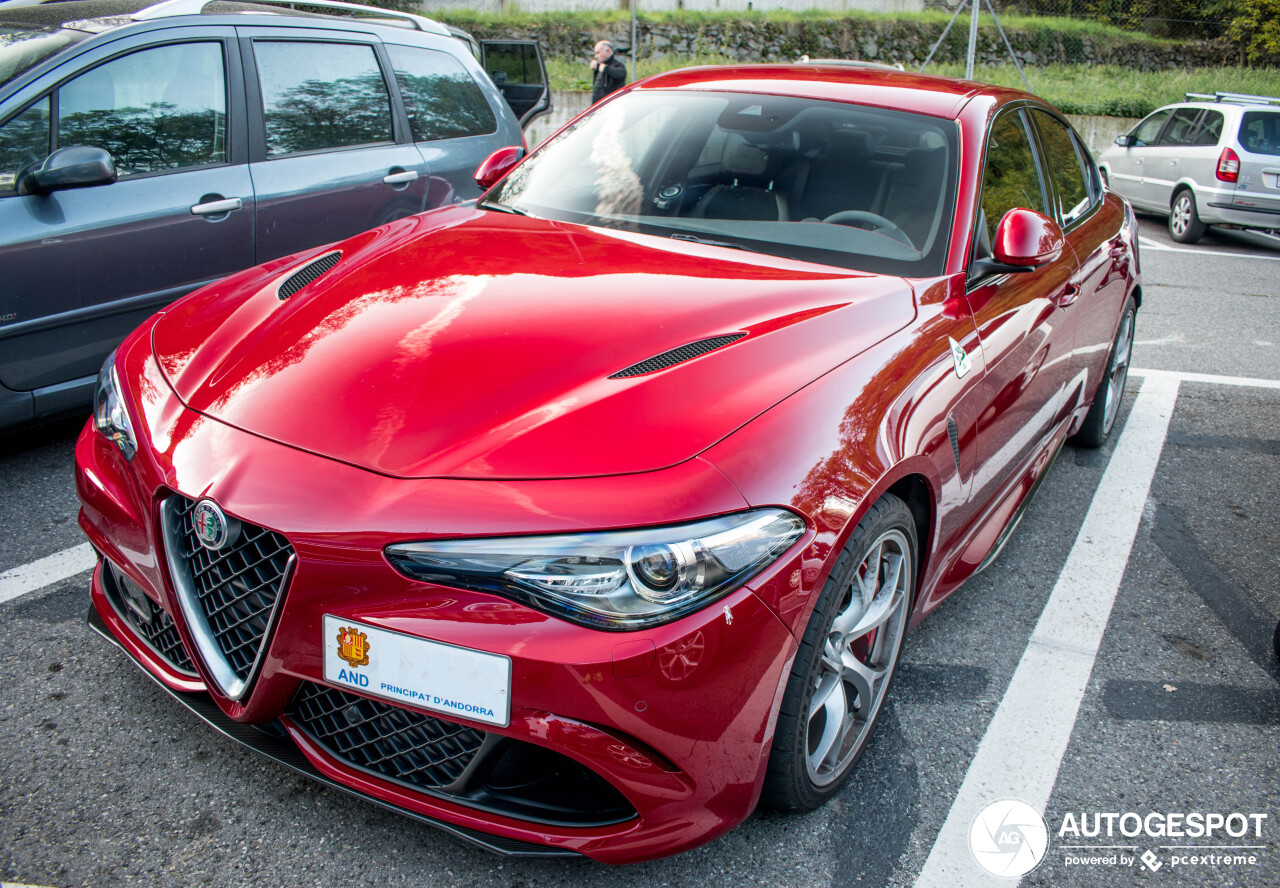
750	196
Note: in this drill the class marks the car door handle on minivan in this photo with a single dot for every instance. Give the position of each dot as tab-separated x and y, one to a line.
217	207
401	178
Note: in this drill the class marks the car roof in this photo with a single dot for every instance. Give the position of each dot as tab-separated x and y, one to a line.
96	16
856	84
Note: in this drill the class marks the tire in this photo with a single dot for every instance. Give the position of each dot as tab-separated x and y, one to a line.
1101	417
1184	222
859	629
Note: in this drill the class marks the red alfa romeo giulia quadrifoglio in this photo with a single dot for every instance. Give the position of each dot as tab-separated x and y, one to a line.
583	518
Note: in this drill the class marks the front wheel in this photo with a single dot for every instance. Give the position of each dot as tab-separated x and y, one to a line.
1184	222
1106	400
846	661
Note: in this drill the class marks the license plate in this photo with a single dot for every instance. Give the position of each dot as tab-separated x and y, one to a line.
427	674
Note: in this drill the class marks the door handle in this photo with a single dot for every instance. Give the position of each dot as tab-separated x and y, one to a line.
400	178
217	207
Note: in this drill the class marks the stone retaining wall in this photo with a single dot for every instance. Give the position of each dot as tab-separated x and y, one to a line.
891	41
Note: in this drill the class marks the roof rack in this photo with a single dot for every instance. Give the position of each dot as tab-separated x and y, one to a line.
168	8
1236	98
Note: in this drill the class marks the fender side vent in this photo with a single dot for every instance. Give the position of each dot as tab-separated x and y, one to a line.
954	434
307	274
677	356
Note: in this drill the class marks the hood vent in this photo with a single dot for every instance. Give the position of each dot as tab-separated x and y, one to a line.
307	274
677	356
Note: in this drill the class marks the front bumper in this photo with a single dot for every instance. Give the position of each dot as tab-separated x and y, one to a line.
675	720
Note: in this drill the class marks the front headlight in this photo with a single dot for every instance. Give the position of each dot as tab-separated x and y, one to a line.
109	414
626	579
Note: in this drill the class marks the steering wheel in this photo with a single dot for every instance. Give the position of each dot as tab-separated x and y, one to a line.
870	222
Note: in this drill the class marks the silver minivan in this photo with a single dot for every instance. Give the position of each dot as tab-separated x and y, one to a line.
1211	160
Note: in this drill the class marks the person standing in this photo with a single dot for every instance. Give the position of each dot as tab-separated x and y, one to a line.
610	73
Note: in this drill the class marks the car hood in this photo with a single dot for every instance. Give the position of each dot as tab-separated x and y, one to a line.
475	344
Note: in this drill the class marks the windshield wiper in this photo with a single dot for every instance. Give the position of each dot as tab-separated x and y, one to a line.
711	243
502	208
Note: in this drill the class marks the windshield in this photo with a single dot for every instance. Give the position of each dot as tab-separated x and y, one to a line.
23	47
846	185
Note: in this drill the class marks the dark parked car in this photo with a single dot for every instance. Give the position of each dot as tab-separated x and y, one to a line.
148	150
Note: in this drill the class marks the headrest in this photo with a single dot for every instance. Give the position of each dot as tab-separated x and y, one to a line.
923	164
742	159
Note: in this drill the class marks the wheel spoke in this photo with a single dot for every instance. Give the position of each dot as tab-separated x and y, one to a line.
865	679
835	709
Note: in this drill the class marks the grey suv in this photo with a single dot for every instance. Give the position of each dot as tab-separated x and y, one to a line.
1212	160
148	150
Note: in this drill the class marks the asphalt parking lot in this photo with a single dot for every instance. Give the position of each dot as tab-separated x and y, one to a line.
1116	659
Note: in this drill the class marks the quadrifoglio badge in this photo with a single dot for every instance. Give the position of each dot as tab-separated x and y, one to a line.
1009	838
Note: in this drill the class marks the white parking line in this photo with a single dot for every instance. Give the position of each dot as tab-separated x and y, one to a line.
45	572
1148	244
1210	378
1022	750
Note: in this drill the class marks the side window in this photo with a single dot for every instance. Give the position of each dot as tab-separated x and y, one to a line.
1210	129
513	63
1065	167
442	100
1147	131
24	139
157	109
1182	126
1260	132
321	95
1010	179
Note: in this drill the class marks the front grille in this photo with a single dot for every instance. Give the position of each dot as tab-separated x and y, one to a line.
237	587
677	356
408	747
307	274
156	630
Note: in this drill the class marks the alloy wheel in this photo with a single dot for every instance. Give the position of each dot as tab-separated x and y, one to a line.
1181	219
1118	372
858	657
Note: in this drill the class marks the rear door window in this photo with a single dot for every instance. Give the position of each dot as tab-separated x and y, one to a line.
319	96
440	97
1210	130
158	109
1260	132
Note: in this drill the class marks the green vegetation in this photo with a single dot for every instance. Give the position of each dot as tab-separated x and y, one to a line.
1122	92
1075	89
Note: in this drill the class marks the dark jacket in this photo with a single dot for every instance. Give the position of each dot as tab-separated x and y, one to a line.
611	75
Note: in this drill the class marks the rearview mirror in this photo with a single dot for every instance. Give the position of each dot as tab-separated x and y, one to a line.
75	166
497	165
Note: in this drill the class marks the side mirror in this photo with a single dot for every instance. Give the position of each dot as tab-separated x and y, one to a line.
497	165
76	166
1025	240
1124	140
1025	237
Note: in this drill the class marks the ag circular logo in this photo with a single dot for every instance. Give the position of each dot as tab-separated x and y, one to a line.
213	529
1008	838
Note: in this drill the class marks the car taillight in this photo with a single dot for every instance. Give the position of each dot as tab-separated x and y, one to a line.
1228	166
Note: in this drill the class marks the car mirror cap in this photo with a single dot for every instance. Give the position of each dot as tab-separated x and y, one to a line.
1027	238
75	166
1123	140
497	165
